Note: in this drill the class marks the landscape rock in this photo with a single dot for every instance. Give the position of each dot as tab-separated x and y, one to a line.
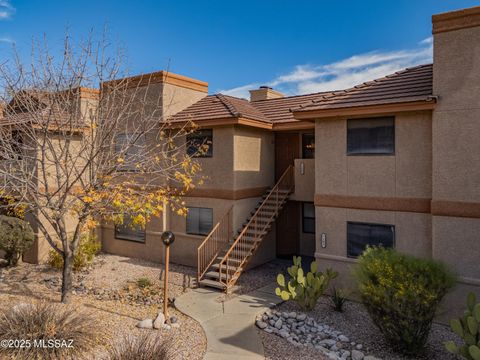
357	355
261	324
159	321
145	324
300	329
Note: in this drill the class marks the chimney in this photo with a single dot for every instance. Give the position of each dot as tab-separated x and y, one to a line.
264	93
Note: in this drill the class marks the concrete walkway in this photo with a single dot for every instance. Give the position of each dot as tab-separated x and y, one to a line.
229	325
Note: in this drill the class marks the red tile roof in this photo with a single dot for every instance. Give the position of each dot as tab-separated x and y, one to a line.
409	85
279	110
219	106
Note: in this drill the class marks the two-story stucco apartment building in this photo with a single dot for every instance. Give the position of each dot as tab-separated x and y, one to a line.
394	161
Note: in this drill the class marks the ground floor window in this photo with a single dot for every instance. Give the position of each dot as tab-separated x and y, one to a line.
127	231
199	220
308	218
359	235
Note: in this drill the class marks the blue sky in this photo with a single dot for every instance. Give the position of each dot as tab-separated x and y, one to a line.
295	46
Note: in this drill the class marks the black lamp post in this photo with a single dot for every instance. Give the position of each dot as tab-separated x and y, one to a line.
167	238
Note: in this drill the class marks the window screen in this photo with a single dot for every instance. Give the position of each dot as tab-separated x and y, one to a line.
359	235
200	143
125	231
199	221
372	136
308	218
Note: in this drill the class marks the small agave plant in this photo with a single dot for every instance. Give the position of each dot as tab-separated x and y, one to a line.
468	328
304	289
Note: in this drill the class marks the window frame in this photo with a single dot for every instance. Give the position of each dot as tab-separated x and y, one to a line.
392	227
389	153
304	135
123	167
186	221
304	218
195	135
126	225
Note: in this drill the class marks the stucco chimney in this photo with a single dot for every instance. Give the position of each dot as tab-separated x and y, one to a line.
264	93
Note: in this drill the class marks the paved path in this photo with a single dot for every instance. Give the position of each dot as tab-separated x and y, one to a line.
229	325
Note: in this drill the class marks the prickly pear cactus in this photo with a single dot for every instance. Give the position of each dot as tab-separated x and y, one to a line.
468	328
304	289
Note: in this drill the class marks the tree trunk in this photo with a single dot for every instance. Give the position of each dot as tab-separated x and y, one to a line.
67	278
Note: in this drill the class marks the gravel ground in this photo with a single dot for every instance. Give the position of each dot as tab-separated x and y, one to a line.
355	323
27	283
257	277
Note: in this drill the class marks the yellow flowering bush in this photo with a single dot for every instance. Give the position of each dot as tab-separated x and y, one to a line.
89	247
401	294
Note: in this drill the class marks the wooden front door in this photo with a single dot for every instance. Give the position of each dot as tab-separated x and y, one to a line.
288	230
287	149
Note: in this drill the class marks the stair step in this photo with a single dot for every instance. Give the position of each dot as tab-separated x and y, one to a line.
216	267
232	262
215	275
212	283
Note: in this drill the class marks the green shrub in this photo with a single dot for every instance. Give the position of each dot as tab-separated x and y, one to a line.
145	346
87	249
143	283
305	290
16	236
338	299
401	294
468	328
46	321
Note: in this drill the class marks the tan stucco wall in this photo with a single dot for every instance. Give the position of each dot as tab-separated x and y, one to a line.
405	174
456	155
176	98
218	168
304	183
253	157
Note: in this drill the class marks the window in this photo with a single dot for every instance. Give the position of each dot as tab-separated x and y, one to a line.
130	146
308	218
126	231
308	146
200	143
359	235
199	221
372	136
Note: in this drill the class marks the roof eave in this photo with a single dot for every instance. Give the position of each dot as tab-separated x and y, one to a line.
224	121
312	115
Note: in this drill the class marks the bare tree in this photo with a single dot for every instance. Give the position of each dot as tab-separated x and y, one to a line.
75	156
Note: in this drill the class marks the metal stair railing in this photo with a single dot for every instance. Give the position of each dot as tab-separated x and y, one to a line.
240	251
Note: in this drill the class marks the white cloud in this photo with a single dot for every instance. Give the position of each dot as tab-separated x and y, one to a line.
6	9
7	40
345	73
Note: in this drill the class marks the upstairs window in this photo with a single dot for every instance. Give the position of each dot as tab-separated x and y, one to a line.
199	221
371	136
200	143
360	235
127	231
308	146
130	147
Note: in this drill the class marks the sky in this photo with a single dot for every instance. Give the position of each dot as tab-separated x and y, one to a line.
296	47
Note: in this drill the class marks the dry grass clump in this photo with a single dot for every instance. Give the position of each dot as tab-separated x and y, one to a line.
146	346
46	331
